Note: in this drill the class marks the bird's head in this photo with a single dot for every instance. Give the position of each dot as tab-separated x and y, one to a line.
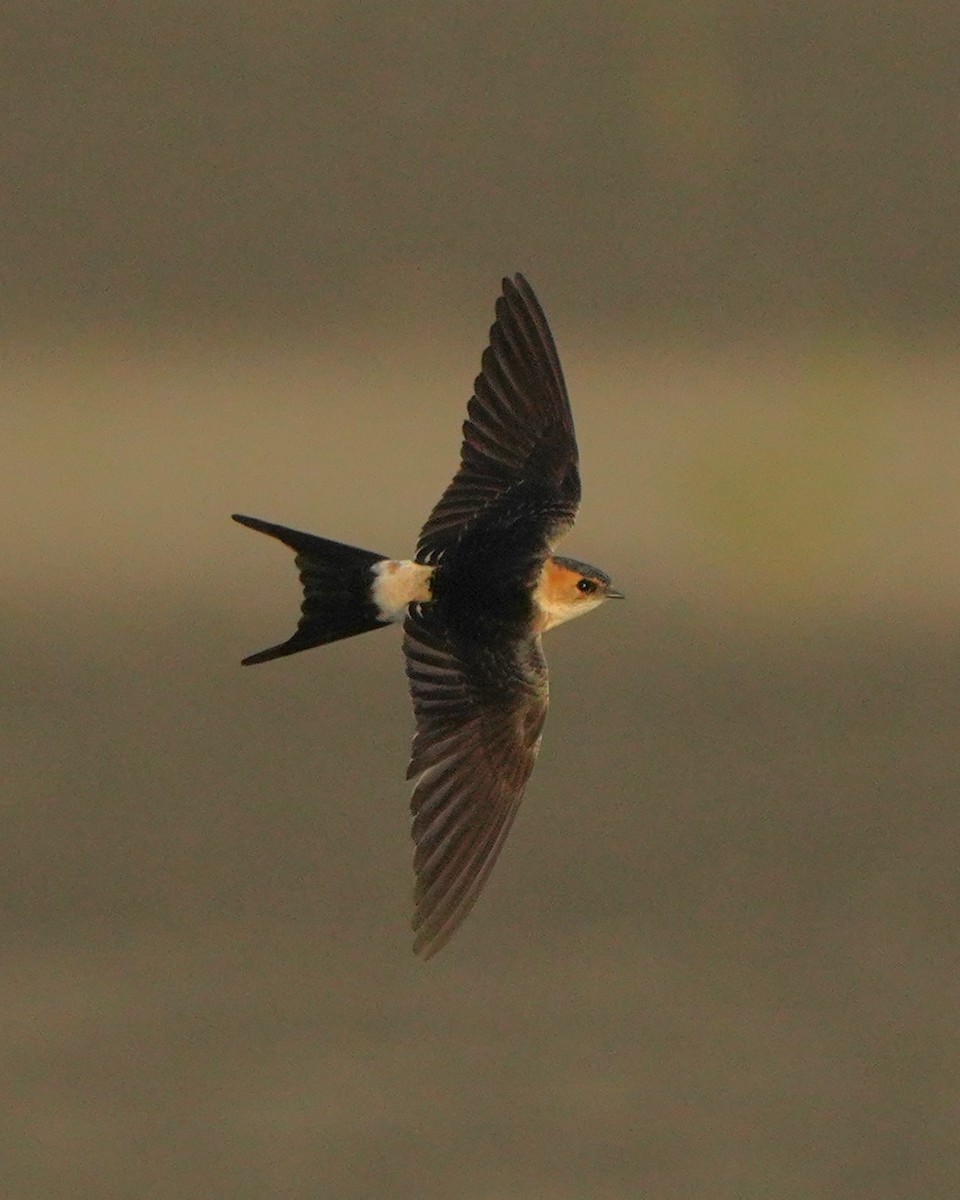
568	588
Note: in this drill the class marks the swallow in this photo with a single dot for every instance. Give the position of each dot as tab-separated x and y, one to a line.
482	588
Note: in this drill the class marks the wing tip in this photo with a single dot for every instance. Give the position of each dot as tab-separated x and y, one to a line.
517	284
426	945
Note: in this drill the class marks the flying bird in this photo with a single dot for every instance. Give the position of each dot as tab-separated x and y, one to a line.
481	589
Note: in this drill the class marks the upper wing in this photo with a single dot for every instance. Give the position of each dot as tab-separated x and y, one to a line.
479	720
519	453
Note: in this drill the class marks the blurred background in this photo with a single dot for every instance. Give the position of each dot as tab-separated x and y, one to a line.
249	259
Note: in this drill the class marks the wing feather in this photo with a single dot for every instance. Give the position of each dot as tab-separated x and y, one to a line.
479	720
519	451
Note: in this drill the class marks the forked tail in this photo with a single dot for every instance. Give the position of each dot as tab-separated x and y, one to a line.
337	584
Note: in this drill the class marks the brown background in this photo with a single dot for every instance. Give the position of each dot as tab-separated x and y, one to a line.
249	256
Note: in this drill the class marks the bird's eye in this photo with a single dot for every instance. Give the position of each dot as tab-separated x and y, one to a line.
586	586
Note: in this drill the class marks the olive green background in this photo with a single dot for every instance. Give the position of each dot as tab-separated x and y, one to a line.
248	258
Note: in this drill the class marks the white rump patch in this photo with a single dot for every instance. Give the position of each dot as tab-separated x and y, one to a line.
398	583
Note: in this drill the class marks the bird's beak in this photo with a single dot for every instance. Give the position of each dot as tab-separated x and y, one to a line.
613	594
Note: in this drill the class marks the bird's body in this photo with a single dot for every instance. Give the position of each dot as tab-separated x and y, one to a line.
481	589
